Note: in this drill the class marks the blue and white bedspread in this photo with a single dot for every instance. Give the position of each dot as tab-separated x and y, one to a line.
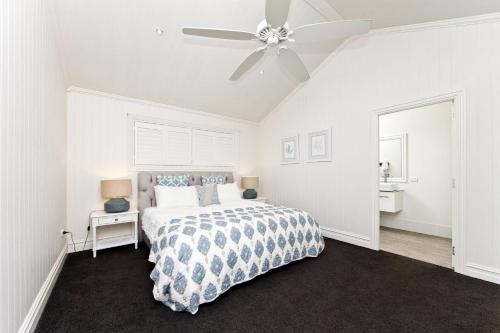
201	256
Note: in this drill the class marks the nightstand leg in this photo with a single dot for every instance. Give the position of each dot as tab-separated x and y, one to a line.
94	241
136	232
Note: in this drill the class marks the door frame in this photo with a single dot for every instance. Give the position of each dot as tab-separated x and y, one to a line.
459	168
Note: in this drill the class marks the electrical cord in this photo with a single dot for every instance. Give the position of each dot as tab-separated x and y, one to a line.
86	237
88	229
72	240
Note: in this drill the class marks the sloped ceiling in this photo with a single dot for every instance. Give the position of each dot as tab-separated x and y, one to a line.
111	46
388	13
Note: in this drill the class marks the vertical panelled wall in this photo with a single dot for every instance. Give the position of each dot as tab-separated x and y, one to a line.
381	70
100	146
32	155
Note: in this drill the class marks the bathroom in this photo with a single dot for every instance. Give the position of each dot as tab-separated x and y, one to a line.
416	183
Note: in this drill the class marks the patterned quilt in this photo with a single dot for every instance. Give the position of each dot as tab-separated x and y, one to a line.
200	257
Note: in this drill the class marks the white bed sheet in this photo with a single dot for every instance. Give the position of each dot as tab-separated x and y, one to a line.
154	217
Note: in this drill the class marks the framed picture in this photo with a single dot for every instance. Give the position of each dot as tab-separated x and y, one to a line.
290	150
320	146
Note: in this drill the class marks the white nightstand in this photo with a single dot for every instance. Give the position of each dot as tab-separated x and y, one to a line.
101	218
258	199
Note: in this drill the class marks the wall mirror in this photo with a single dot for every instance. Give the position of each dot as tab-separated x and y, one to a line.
393	159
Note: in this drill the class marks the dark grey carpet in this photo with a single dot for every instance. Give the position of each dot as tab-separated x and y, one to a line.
347	288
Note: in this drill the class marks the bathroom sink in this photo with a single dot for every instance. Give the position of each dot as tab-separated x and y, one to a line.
388	187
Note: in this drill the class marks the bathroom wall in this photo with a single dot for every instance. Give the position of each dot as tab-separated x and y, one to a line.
427	194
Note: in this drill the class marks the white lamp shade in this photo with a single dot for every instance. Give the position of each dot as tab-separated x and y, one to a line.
250	182
119	188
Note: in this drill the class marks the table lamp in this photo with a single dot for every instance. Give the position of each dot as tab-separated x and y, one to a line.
116	191
250	184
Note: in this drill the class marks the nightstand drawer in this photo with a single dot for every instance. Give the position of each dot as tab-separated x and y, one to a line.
122	218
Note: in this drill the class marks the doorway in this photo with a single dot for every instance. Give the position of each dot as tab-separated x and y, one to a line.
420	155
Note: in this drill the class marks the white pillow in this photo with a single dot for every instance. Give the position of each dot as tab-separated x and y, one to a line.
228	193
170	197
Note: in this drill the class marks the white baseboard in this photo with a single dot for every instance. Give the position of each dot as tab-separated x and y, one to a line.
482	272
423	228
347	237
88	246
79	246
34	313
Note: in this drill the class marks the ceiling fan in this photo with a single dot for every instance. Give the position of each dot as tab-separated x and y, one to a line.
274	31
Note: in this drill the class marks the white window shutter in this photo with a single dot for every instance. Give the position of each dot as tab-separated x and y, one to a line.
223	146
178	148
149	142
202	148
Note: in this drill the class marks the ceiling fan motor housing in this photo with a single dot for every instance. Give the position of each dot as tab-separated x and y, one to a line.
272	36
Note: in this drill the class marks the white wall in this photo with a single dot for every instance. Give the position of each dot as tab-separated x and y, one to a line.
379	70
427	194
99	147
32	156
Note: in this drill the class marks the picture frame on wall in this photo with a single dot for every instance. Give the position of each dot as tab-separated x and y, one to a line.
319	144
290	150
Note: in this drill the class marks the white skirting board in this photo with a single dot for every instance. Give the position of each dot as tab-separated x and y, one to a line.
347	237
482	272
422	228
79	245
88	246
34	313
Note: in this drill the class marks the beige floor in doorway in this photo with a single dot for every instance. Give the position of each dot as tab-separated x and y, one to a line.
431	249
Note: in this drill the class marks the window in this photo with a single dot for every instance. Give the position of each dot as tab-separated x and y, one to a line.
161	144
213	148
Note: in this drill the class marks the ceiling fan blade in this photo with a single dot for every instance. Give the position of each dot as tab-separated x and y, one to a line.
217	33
277	12
294	64
248	63
330	30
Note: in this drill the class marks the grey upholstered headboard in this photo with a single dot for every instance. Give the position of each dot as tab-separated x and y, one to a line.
146	180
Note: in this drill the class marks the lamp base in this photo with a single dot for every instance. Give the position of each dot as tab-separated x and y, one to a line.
117	205
250	194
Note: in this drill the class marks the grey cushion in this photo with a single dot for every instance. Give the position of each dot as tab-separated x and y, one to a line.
207	195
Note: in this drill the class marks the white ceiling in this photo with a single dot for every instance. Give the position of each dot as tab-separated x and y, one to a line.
388	13
111	46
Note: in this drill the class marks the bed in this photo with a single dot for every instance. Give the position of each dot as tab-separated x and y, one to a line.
201	252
